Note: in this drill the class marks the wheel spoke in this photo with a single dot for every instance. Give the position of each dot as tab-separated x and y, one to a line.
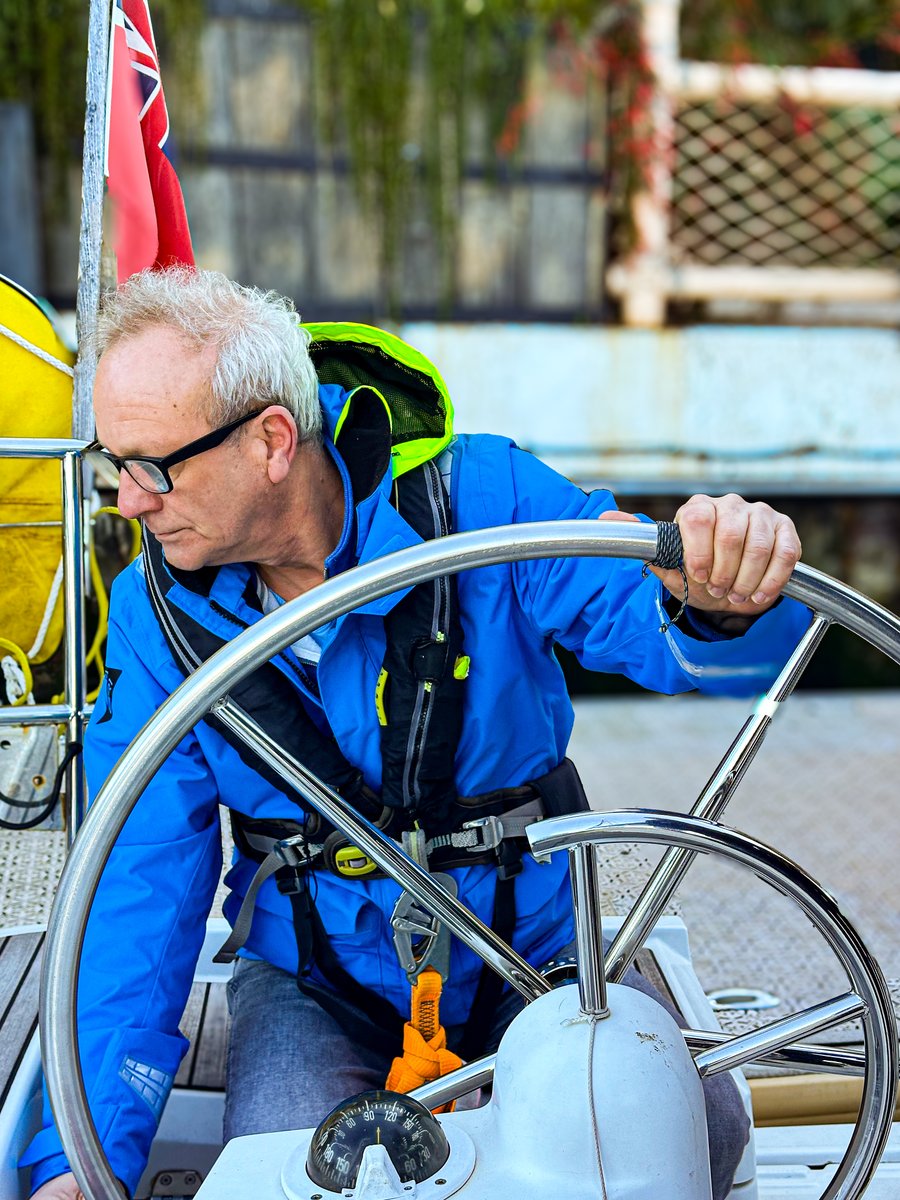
584	870
710	804
812	1057
378	846
454	1084
748	1047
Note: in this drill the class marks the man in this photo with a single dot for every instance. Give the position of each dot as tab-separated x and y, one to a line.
207	399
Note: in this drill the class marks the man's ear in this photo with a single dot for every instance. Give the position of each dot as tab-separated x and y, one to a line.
280	435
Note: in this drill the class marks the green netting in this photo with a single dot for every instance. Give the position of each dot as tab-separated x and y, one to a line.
417	406
352	355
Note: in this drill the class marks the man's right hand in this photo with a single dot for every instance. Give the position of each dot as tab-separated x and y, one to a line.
63	1187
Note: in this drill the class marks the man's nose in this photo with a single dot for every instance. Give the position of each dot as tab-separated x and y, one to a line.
134	502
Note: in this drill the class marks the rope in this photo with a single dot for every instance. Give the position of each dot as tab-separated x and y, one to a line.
43	355
591	1039
95	653
48	610
669	550
425	1055
669	557
18	655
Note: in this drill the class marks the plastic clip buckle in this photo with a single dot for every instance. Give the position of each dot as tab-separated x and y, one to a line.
294	853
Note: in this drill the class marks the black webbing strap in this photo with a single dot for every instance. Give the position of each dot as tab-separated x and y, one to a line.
490	984
265	694
240	930
355	1008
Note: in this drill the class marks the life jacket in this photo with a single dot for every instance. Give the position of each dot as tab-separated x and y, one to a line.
397	416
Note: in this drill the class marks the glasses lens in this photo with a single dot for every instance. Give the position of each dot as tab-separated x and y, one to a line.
104	466
146	475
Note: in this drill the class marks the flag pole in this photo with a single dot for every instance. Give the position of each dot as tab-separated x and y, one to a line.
87	303
91	236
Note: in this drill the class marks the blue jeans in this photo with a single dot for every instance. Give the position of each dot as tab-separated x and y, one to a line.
290	1063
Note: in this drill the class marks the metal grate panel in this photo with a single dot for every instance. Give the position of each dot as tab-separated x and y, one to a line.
785	185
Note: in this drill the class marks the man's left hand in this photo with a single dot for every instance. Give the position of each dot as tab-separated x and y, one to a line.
737	555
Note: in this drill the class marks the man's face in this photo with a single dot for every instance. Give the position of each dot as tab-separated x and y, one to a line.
150	398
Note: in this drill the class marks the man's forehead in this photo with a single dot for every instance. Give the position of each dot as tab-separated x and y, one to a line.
161	353
154	384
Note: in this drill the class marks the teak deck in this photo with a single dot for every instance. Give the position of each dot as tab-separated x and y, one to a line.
20	979
205	1023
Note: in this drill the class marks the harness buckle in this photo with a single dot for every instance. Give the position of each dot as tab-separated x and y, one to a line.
420	939
491	831
293	851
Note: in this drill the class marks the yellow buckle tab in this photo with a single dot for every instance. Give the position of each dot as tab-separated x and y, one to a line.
461	667
351	861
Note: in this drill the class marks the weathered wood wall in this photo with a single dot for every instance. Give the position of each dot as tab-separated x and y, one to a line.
271	203
20	242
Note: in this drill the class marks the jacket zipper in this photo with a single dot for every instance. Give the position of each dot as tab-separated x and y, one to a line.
296	668
422	710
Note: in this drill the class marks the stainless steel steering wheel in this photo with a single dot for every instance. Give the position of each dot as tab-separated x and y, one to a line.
780	1042
206	691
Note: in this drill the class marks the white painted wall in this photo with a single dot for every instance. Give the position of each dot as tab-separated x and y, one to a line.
753	407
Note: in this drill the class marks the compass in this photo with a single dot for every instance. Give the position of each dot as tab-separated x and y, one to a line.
413	1138
380	1146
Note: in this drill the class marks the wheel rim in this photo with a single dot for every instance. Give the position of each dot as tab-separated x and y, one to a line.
873	1124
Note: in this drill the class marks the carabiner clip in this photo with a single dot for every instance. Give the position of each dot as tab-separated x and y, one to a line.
420	939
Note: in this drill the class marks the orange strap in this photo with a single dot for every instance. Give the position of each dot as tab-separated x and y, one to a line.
425	1055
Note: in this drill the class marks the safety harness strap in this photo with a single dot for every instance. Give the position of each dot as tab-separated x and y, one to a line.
490	984
265	694
240	931
345	998
423	698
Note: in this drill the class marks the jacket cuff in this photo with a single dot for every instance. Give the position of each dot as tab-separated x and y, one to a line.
713	626
136	1075
739	666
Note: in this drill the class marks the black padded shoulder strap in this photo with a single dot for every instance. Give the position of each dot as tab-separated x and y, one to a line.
423	696
265	694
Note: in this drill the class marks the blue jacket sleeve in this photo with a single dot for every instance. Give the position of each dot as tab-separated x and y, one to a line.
607	612
147	922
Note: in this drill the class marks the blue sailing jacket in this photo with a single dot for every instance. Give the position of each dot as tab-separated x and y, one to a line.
147	923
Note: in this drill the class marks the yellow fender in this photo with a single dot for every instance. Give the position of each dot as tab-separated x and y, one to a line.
35	402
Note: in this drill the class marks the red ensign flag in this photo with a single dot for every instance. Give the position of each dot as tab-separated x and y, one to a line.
150	226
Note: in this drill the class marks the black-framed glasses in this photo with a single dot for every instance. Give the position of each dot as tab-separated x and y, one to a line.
152	474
